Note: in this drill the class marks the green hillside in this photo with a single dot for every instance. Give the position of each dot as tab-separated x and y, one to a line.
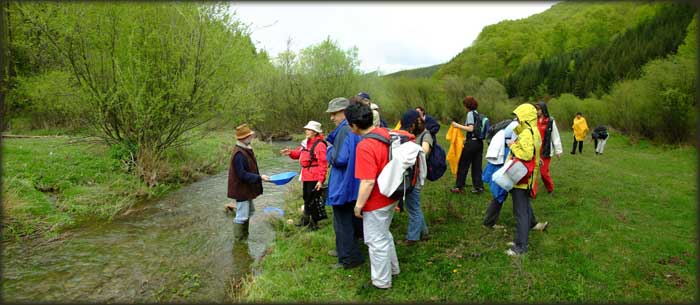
425	72
502	48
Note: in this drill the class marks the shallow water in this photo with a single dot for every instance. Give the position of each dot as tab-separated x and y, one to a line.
179	248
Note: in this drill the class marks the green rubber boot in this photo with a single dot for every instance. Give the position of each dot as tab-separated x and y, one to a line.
240	231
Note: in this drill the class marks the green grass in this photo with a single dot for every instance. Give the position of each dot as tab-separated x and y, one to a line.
622	228
56	183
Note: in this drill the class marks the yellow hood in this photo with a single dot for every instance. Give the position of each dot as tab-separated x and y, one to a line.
526	113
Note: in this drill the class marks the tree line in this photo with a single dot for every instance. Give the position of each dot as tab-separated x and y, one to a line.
146	77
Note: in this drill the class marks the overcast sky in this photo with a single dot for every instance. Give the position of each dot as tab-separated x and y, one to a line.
389	36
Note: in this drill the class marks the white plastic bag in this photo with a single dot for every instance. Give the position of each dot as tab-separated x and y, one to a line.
501	178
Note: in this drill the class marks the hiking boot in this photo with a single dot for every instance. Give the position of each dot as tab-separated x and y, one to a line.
333	253
512	253
303	221
541	226
346	266
408	243
456	190
493	227
477	191
425	236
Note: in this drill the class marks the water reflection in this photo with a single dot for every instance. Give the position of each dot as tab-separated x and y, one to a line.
180	248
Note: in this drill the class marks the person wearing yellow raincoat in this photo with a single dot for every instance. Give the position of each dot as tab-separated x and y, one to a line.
526	147
580	128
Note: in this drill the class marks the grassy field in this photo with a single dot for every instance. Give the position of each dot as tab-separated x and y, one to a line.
622	229
54	183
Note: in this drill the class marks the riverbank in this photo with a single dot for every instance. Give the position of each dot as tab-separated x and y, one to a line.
622	228
51	184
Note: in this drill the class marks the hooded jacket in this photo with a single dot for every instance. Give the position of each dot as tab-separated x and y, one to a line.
342	185
528	142
551	142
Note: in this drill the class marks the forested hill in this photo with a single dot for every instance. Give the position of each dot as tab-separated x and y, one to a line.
424	72
502	48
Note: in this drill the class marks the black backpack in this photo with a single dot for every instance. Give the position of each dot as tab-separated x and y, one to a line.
409	175
481	125
436	160
497	127
312	154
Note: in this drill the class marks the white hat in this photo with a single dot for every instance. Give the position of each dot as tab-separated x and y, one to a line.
313	125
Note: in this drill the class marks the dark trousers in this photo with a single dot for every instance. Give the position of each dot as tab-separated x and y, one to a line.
309	195
471	155
580	147
494	210
524	218
492	213
346	240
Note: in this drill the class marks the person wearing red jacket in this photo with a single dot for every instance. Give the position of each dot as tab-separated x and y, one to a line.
312	158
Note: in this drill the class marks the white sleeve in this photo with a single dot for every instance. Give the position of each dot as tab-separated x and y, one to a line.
556	140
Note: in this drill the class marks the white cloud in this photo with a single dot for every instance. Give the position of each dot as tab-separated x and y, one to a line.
389	36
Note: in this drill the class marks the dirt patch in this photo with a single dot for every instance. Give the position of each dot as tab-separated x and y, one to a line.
675	280
621	217
605	202
673	260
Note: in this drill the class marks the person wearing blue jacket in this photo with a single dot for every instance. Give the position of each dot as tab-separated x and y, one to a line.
343	187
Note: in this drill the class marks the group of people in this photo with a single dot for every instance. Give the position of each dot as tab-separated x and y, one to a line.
358	150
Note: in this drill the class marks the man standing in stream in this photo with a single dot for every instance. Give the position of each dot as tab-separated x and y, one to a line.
244	180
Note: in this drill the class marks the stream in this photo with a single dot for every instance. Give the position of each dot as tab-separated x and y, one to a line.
178	248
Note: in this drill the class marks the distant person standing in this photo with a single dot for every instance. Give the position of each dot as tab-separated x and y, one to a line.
580	128
375	209
600	137
244	180
472	151
551	143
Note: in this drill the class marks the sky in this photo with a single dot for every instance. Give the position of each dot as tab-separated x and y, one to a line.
390	36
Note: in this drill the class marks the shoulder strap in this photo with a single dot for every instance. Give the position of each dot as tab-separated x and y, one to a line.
311	151
382	139
375	136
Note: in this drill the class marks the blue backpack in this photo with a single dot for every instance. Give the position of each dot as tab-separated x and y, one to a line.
436	161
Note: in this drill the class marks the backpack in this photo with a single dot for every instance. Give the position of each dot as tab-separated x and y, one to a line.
312	154
497	127
410	176
436	161
481	125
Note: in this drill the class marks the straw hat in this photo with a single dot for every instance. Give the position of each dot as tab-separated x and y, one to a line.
243	131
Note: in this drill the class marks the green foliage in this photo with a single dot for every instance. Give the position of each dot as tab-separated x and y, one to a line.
596	68
299	86
151	71
502	48
48	100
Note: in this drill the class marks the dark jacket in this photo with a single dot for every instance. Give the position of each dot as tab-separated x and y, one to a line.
600	132
244	181
547	137
432	125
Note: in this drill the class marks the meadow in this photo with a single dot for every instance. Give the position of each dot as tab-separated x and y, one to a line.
622	229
